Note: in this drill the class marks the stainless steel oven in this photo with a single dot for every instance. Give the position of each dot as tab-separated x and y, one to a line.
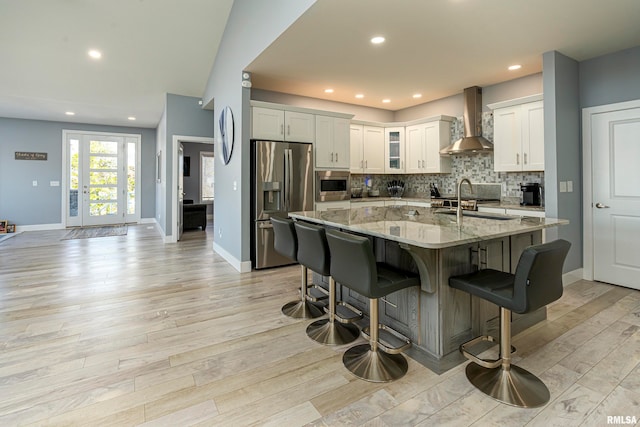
333	185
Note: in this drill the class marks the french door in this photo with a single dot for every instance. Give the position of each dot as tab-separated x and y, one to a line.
102	179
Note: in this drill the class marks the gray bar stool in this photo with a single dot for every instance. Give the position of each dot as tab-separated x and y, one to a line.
354	266
536	283
313	253
285	242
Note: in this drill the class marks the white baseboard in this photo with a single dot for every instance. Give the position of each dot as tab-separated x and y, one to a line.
147	221
241	266
39	227
572	277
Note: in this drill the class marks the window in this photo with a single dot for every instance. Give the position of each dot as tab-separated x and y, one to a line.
206	176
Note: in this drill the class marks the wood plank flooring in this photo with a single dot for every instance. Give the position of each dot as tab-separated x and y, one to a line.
128	330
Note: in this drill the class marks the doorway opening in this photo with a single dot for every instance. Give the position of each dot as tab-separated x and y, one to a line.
193	188
102	178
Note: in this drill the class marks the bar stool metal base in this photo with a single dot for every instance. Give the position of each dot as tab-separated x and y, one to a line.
332	333
375	366
302	310
514	386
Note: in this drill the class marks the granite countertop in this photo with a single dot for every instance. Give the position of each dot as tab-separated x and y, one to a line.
426	229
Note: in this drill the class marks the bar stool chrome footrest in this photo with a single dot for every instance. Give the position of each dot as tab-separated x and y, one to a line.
385	338
316	293
485	363
374	366
348	314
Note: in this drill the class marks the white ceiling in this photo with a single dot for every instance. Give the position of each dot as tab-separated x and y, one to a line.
435	47
151	47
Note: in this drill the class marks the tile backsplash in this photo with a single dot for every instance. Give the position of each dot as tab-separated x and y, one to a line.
477	167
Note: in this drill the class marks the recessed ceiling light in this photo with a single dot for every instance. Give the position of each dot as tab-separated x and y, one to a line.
515	67
359	95
131	118
95	54
328	91
377	40
417	95
70	113
386	101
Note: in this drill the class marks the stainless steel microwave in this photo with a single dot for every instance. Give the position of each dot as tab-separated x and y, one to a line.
333	185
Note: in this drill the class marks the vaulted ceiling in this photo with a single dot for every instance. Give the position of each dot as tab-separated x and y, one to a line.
151	47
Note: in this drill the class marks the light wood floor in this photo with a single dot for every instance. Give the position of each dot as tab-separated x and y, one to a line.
127	330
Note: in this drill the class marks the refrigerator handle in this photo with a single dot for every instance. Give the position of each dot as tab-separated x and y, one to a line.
290	186
287	178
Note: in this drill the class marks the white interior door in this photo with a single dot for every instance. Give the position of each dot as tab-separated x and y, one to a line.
102	181
180	191
616	197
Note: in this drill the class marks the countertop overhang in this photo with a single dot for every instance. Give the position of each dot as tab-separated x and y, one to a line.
424	227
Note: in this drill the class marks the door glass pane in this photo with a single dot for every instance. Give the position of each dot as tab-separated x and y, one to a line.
103	194
103	162
102	209
98	178
73	176
131	178
103	147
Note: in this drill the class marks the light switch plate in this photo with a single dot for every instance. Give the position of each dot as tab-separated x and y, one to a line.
54	183
563	186
569	186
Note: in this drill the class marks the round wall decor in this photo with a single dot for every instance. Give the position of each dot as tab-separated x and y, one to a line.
226	133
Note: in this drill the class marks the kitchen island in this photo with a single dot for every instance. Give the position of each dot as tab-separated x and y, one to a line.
435	317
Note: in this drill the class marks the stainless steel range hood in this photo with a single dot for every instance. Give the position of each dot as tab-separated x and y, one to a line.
473	142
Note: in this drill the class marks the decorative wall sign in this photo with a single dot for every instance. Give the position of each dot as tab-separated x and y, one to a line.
27	155
226	133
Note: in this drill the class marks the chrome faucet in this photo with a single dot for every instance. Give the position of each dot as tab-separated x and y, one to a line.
459	207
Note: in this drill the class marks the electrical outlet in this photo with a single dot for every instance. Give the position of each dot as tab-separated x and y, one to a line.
219	232
35	183
235	185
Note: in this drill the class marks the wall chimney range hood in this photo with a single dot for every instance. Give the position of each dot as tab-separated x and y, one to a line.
473	142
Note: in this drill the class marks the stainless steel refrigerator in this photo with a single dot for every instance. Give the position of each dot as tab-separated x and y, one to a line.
282	182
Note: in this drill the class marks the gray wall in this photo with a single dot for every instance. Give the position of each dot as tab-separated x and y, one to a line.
23	204
238	48
610	78
184	116
453	105
192	182
563	154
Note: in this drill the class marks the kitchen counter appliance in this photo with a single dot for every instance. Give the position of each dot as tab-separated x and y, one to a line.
282	182
333	186
531	194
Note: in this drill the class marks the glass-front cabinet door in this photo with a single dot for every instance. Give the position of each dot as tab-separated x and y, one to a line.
394	150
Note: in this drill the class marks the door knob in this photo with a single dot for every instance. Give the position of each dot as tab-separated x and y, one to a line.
601	206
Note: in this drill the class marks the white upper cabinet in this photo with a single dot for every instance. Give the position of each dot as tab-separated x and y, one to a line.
423	144
367	149
518	137
394	150
279	125
332	143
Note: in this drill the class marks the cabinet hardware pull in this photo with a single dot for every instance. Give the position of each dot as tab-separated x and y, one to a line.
517	158
288	129
386	301
423	164
525	158
331	157
281	129
366	163
336	157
